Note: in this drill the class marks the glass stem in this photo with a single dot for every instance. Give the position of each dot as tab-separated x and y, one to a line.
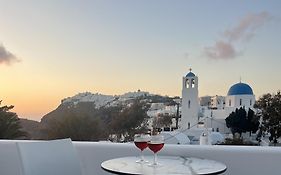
155	159
141	155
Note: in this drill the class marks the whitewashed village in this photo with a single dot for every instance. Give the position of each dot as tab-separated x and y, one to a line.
203	118
194	120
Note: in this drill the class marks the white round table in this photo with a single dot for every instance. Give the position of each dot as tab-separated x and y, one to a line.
170	165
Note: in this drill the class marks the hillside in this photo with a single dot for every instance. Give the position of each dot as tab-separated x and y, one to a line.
88	103
96	106
31	127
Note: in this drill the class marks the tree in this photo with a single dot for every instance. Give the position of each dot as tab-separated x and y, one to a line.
270	111
163	120
80	122
240	121
78	128
236	121
10	127
130	120
253	122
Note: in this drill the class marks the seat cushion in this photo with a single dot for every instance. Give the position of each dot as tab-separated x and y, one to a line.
56	157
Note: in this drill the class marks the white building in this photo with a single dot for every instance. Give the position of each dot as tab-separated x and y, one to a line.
214	112
190	101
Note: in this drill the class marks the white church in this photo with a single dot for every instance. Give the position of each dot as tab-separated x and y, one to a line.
211	110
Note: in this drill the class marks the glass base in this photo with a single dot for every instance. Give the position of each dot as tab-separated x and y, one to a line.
157	164
141	161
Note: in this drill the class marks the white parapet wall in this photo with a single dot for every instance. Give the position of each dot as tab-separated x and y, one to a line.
240	160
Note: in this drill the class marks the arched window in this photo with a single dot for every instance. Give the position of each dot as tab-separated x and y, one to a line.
189	103
187	83
192	83
250	102
229	102
240	102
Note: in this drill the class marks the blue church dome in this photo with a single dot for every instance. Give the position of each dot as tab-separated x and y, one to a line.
240	89
190	74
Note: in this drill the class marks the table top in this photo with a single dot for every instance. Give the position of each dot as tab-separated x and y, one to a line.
169	165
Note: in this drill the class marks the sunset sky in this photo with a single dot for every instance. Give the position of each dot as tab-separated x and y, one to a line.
54	49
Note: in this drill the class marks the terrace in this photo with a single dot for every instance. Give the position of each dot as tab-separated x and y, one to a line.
240	160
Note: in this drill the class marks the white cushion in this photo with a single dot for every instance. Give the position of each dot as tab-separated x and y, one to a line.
9	158
56	157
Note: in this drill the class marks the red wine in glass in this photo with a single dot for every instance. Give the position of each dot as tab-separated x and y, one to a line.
155	147
141	141
156	144
141	145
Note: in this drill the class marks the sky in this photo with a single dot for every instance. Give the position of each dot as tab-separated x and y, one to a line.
50	50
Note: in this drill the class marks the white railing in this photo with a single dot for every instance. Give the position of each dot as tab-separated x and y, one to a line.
240	160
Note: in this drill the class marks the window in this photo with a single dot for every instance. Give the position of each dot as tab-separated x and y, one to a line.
250	102
189	103
192	83
240	102
229	102
187	83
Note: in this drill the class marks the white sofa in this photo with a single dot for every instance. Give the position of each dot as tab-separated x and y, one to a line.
239	160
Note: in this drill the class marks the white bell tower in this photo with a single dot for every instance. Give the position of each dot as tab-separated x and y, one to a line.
190	101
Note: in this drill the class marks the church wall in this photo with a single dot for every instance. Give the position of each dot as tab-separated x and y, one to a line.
190	102
230	101
247	101
217	124
216	119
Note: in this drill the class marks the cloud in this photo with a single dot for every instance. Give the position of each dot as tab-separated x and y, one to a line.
221	50
247	27
244	31
6	57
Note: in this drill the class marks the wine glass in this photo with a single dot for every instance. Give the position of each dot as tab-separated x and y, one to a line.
156	144
141	141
